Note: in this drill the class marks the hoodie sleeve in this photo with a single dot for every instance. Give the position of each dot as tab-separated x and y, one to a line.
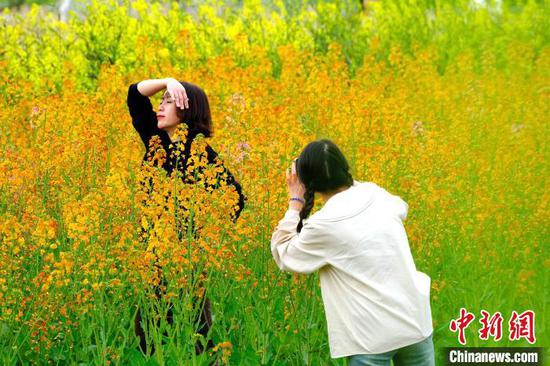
397	205
400	207
302	252
144	118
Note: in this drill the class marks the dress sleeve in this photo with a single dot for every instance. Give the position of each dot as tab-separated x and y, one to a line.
302	252
230	179
242	198
144	118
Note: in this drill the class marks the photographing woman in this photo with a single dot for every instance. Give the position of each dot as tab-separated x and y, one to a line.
187	103
376	303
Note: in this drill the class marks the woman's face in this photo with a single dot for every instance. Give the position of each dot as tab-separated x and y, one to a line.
167	116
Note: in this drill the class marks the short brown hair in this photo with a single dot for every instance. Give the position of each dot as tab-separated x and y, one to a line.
197	116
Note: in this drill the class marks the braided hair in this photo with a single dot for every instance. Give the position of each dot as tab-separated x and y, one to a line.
321	167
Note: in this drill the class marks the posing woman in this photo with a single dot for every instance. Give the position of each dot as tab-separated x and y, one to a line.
376	303
182	102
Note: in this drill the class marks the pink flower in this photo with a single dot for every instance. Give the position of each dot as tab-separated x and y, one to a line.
242	146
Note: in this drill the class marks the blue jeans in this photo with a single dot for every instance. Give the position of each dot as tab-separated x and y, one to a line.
417	354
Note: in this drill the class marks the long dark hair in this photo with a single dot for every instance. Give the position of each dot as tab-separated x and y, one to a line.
321	167
197	116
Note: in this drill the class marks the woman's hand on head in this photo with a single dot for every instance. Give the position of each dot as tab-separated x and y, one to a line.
295	186
178	93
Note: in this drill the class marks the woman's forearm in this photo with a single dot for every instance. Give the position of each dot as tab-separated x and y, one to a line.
152	86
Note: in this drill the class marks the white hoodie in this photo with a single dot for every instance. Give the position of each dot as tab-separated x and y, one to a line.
375	299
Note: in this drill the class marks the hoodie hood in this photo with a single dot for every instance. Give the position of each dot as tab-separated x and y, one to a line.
348	203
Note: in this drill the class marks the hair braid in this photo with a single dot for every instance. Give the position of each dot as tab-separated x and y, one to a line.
309	197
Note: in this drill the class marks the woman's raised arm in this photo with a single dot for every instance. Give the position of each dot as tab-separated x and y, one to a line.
150	87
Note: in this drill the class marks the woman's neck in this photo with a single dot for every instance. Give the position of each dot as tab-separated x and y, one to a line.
173	137
171	133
